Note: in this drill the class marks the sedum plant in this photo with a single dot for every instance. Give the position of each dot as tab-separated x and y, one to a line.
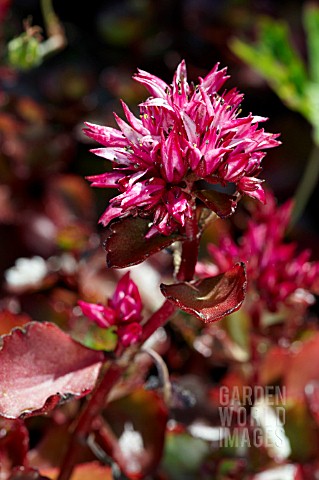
187	160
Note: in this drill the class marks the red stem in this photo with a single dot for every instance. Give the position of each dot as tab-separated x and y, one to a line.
189	251
185	273
158	319
88	414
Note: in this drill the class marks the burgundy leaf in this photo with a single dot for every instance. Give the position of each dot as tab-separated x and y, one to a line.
222	204
14	444
126	245
212	298
40	366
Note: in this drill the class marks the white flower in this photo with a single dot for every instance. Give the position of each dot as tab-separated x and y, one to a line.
132	447
26	272
285	472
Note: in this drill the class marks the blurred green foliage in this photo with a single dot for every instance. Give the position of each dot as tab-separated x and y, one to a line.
276	59
24	52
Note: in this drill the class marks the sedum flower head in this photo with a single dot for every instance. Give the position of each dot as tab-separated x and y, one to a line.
275	271
124	310
185	133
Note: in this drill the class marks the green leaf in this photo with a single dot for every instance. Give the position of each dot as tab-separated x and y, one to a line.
300	429
311	26
276	60
101	338
313	100
184	455
237	326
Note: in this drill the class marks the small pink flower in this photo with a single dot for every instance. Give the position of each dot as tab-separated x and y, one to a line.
130	333
275	271
124	310
103	316
185	134
126	301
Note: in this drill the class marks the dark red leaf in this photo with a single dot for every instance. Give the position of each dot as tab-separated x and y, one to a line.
212	298
14	444
40	366
126	245
139	424
222	204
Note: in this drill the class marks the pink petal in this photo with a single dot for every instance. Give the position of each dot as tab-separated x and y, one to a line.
106	180
109	214
129	334
135	122
132	135
154	85
194	155
174	165
190	128
252	187
146	193
180	85
157	102
117	155
213	159
178	205
108	136
103	316
215	79
126	299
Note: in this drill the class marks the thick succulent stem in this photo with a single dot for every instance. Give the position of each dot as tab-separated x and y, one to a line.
89	413
189	251
158	319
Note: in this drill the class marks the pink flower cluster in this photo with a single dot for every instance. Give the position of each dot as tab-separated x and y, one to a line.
123	311
185	133
275	271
